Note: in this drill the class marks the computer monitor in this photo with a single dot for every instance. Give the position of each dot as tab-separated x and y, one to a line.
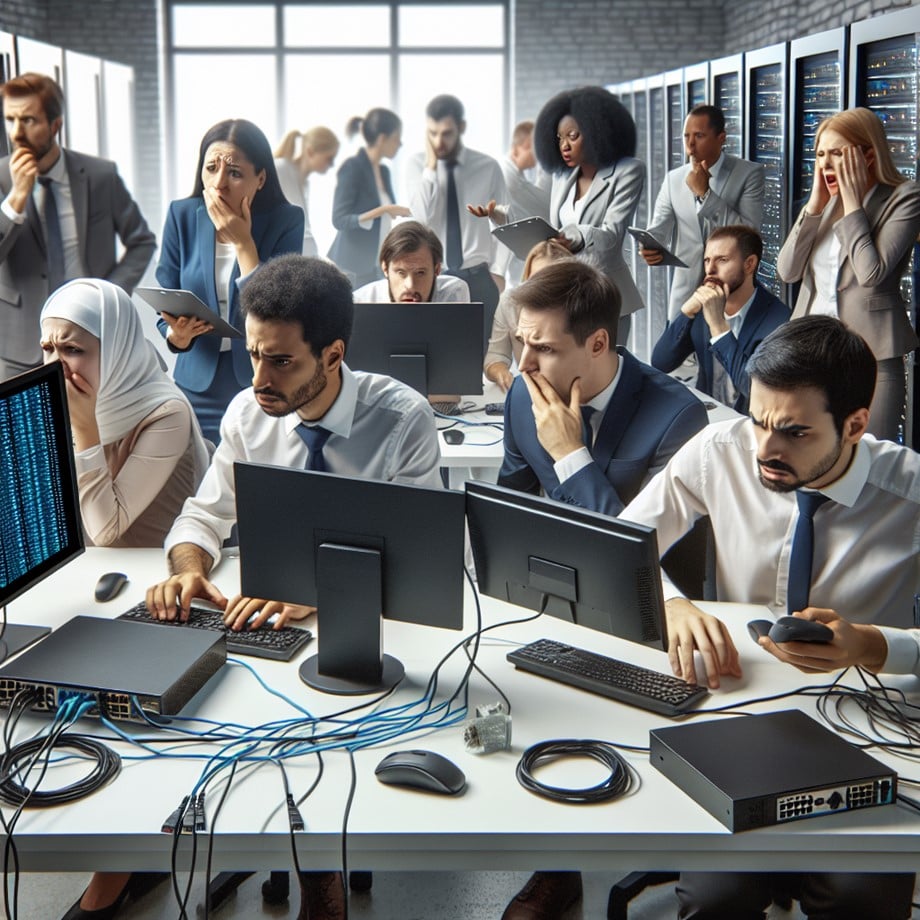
40	528
357	550
432	347
588	568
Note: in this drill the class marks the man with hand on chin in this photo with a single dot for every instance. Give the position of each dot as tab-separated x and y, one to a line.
802	454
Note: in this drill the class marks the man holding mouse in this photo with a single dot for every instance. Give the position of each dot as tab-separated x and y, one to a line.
811	516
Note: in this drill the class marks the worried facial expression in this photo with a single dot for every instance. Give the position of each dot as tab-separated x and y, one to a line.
228	172
444	137
724	264
701	140
411	277
28	126
76	349
571	143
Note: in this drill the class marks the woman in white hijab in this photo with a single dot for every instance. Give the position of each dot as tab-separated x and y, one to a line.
139	450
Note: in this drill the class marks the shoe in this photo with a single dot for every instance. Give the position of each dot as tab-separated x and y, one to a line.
136	887
322	896
546	896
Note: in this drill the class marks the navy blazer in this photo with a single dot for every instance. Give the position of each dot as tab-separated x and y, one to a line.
187	263
354	249
650	415
684	335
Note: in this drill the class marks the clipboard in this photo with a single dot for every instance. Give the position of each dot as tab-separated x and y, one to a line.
522	235
649	242
185	303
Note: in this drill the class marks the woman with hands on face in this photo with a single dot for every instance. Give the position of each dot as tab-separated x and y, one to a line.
851	245
235	219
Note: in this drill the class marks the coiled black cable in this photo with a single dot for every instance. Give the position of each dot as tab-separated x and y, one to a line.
621	780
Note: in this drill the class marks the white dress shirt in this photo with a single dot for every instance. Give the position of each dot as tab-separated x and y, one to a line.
447	289
479	180
867	539
381	429
297	191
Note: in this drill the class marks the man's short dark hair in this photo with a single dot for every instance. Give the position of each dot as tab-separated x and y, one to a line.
715	115
410	236
297	289
820	353
589	299
445	106
750	242
37	84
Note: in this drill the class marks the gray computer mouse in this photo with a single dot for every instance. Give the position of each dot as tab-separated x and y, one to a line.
109	585
425	770
453	436
798	629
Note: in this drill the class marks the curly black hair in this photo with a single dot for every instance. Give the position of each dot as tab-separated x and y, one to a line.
607	129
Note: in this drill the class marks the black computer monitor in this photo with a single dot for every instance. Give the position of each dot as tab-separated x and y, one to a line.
40	527
357	550
432	347
588	568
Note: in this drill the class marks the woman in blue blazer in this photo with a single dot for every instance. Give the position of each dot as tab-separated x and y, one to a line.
236	218
364	205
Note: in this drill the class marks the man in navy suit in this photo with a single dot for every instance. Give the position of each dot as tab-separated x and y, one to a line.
725	319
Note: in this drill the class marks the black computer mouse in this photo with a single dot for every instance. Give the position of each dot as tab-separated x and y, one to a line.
109	585
759	628
425	770
453	436
796	629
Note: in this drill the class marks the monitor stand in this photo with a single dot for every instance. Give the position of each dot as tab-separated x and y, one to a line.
349	598
412	370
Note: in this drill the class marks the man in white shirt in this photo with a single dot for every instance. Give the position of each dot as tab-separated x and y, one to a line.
442	184
411	257
803	452
711	190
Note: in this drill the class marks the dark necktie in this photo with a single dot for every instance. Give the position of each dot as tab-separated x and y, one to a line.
314	437
802	554
53	241
587	431
454	235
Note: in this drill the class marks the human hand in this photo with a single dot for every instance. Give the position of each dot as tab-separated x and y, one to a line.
81	404
852	177
820	195
396	210
690	629
183	329
431	156
173	597
694	304
563	240
23	173
651	256
853	644
256	611
490	210
500	373
712	295
559	424
231	227
698	177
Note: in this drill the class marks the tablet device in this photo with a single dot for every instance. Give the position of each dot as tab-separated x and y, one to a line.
522	235
185	303
647	241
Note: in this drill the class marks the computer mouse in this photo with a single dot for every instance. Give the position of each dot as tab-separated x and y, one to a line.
453	436
795	629
109	585
759	628
425	770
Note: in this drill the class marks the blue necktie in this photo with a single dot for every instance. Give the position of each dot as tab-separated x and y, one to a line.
454	234
587	431
314	437
54	244
802	553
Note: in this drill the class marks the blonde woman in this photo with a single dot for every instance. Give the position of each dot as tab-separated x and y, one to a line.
851	245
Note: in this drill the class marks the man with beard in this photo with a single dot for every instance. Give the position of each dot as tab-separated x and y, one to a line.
305	409
725	319
60	214
411	257
803	452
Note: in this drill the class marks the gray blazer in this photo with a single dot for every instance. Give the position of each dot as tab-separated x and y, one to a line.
609	208
103	209
875	246
678	225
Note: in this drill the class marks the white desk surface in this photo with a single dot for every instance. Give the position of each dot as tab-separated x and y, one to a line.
495	824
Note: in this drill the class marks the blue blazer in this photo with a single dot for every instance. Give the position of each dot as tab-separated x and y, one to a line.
355	249
187	263
650	415
684	335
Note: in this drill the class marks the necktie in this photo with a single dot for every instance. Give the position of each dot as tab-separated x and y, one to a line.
454	237
801	557
314	437
53	241
587	431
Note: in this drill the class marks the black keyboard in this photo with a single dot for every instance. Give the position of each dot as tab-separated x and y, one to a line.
447	408
618	680
279	644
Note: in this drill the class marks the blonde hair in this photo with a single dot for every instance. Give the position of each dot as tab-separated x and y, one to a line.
862	128
318	139
548	251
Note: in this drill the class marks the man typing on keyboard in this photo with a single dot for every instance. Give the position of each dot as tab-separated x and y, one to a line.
813	517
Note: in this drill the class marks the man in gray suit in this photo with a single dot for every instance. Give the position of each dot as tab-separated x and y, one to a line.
712	190
59	216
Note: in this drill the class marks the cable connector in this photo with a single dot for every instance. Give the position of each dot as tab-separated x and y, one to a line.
172	822
294	816
490	731
201	821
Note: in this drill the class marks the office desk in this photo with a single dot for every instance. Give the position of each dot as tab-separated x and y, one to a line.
496	824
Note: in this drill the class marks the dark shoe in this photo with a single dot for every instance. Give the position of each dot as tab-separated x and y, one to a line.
546	896
136	887
322	896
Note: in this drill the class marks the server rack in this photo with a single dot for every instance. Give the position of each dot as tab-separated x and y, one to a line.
656	312
7	70
639	335
696	85
675	115
726	90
